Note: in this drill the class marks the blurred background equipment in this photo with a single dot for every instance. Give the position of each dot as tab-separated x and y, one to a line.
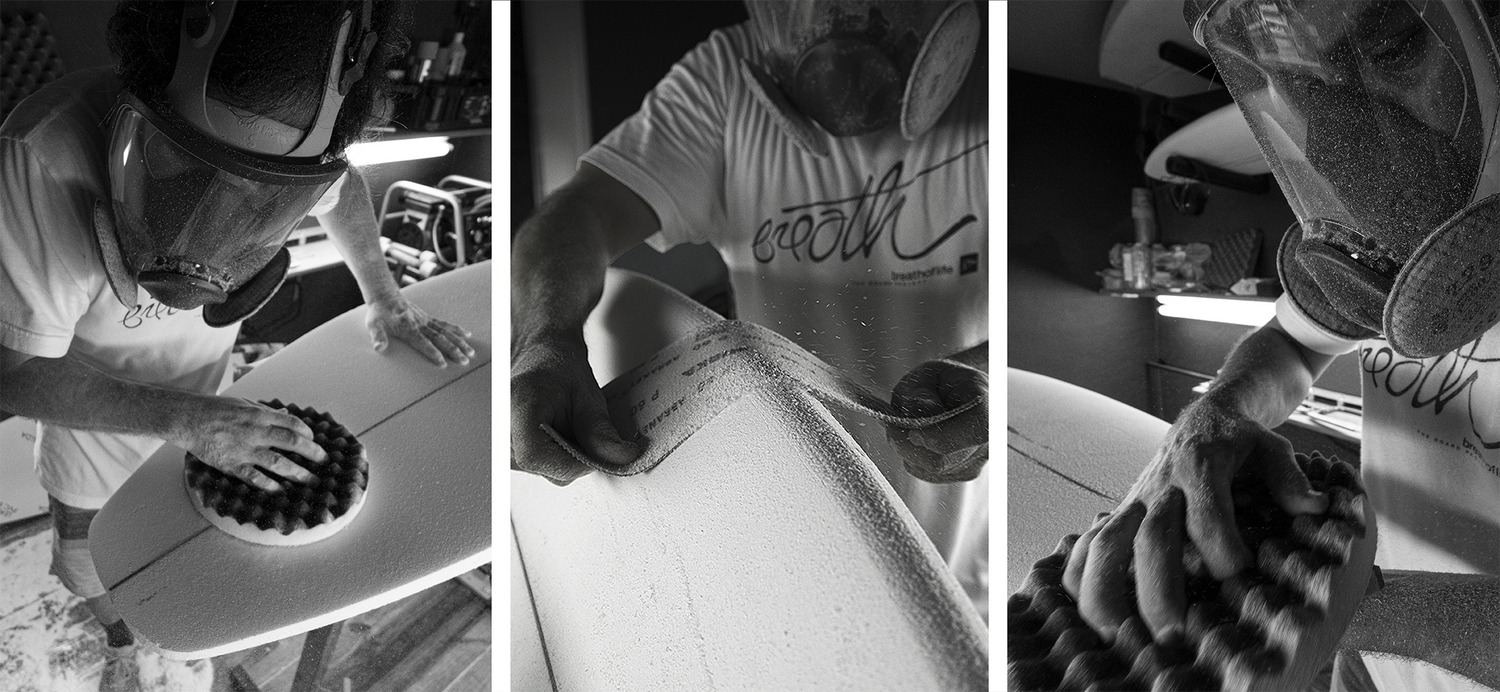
427	230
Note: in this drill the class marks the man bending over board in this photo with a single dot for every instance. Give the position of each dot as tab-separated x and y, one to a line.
145	210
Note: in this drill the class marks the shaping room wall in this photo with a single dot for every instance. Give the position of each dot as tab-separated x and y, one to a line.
1072	165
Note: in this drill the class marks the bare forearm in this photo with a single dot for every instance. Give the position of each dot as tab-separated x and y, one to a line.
356	233
1450	620
558	262
559	255
1266	376
67	392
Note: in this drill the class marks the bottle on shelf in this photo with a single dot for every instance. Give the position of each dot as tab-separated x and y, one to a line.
1139	263
422	61
456	55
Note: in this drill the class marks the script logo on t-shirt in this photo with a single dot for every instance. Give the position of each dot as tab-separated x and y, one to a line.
854	226
1452	379
138	315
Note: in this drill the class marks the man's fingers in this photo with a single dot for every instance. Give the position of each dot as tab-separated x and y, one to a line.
447	343
378	337
253	476
455	330
1072	579
596	433
1106	578
1159	575
286	438
1278	468
424	345
1210	526
285	468
534	451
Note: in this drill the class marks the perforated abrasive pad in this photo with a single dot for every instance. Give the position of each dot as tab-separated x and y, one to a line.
1270	627
299	513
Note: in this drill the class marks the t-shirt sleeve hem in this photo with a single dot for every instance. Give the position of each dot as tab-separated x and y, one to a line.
1299	326
33	343
641	182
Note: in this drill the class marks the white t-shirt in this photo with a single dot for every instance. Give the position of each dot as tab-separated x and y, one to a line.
875	258
1430	457
55	298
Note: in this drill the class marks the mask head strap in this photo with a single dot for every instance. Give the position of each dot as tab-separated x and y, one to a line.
204	25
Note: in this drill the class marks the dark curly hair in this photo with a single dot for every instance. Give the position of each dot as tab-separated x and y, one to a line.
270	62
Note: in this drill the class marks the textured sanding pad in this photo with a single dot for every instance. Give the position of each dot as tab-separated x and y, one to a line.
299	513
1270	627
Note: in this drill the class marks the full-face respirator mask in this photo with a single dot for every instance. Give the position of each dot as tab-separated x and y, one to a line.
1379	121
855	67
203	194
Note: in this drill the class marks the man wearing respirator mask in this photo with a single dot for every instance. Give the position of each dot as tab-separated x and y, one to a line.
146	209
1381	122
864	120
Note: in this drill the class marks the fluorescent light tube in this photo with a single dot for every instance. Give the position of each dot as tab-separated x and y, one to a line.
1251	313
389	151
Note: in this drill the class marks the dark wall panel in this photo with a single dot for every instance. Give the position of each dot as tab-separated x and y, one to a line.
631	45
1072	164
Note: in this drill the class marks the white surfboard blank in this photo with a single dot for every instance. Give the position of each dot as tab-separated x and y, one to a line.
198	592
21	495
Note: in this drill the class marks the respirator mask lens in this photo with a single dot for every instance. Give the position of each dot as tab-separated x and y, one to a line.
195	221
1377	118
851	66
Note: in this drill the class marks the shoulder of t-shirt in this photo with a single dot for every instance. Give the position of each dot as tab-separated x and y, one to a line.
730	43
62	130
56	138
77	103
716	60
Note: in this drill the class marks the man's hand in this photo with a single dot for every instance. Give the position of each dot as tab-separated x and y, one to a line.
551	383
244	439
1184	494
441	342
956	449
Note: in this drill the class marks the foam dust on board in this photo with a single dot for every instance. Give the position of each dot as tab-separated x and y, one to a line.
664	400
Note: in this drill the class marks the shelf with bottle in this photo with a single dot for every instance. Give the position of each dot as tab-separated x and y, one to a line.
437	91
391	133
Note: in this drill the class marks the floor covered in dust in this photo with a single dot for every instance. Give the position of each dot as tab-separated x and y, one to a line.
434	641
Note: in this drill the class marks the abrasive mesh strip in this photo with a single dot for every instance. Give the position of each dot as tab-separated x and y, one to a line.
664	400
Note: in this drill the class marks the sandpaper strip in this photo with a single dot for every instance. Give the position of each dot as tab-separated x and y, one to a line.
666	399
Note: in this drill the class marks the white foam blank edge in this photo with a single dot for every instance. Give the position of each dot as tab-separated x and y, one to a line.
765	553
21	494
528	659
411	588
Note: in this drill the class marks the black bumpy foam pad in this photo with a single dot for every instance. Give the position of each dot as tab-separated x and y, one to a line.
1248	632
338	483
